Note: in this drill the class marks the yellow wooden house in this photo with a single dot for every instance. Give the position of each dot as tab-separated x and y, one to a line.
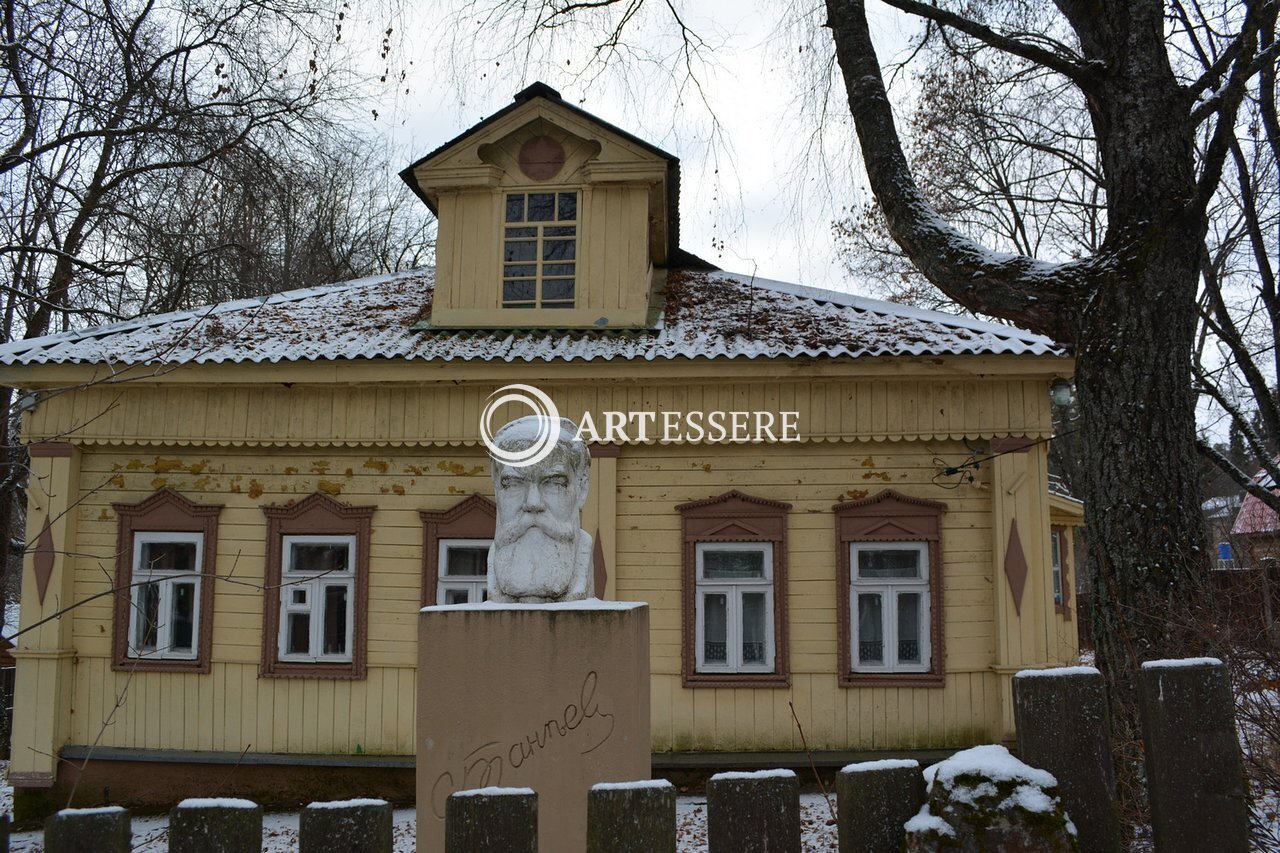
236	512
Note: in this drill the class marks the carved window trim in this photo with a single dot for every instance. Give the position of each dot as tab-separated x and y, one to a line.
727	518
316	515
474	518
1062	535
165	511
889	517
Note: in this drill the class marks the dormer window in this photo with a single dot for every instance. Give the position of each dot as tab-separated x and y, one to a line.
539	250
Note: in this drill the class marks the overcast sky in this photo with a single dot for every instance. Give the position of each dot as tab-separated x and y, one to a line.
755	198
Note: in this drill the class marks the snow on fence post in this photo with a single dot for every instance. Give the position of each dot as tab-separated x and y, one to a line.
631	817
1061	718
223	825
753	812
1195	774
102	830
491	820
355	826
873	801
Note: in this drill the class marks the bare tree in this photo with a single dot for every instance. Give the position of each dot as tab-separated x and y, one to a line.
1127	304
134	138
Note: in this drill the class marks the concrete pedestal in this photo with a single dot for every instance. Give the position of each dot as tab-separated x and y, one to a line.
553	697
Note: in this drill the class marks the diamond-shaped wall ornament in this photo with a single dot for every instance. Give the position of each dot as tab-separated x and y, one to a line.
42	559
1015	566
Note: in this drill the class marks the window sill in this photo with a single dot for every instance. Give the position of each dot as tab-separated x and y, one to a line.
737	679
289	669
892	679
199	666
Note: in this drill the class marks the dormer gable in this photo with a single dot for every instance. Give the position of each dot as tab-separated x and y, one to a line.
548	217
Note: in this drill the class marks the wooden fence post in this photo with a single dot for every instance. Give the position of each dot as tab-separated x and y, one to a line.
753	812
631	817
873	801
102	830
491	820
215	826
1195	775
353	826
1062	722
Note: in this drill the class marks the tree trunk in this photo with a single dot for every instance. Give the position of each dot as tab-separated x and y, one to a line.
1129	312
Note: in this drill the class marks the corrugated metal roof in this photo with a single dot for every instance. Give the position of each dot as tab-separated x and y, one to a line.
712	315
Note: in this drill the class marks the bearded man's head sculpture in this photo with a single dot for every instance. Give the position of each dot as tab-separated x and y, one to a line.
539	552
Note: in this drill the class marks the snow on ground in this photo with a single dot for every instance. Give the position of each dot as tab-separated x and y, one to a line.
280	830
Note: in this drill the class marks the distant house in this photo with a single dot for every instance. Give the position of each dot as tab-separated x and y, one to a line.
273	487
1255	531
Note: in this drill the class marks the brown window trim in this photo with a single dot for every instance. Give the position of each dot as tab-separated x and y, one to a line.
1063	608
472	518
890	516
316	515
165	511
734	517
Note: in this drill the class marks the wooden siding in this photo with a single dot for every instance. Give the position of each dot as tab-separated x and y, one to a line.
232	709
431	413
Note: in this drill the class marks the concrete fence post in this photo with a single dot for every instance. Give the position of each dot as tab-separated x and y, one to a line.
753	812
102	830
1062	722
222	825
631	817
491	820
354	826
873	801
1195	774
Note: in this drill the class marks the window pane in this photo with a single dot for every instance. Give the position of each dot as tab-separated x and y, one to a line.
558	250
870	629
323	557
557	288
522	232
520	250
335	620
725	563
568	208
888	563
552	270
515	208
909	627
168	556
542	207
753	627
560	231
147	614
298	596
182	619
298	634
469	560
456	596
520	270
518	291
715	633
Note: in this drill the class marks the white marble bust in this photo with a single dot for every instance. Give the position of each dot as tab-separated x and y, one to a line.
539	552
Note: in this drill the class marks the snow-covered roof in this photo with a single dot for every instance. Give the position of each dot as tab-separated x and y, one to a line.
707	314
1254	515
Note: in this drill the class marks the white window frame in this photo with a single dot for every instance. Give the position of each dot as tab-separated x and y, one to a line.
539	239
734	588
1055	546
315	583
888	588
476	586
167	580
